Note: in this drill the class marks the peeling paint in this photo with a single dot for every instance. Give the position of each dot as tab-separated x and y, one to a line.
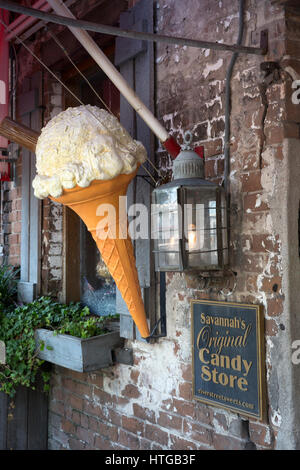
212	67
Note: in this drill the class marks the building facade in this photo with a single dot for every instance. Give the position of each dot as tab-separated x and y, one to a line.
149	405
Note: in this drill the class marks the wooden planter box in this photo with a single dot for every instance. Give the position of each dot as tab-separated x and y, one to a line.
81	355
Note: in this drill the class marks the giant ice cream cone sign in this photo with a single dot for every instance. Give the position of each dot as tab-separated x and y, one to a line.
115	247
85	160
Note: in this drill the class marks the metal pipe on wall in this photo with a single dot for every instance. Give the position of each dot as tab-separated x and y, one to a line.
228	111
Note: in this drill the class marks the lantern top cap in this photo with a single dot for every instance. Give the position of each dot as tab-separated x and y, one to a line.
187	164
187	141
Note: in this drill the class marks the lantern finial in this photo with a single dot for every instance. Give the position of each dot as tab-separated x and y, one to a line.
188	164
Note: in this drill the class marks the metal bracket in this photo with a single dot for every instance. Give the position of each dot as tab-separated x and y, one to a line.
264	43
162	321
224	282
163	333
123	356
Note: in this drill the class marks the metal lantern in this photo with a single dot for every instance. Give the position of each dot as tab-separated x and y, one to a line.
189	218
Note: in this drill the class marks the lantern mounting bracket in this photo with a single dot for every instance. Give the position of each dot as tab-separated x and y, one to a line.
162	321
224	282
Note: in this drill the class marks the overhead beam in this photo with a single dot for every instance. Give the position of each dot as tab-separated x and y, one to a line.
113	31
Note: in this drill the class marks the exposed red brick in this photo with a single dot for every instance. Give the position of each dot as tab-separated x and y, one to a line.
57	393
203	414
274	135
187	372
133	425
93	424
210	168
260	434
84	421
112	416
76	417
76	402
68	427
156	434
144	413
57	407
167	420
253	263
134	375
254	202
291	130
102	443
75	444
85	435
92	409
179	443
185	390
212	148
274	307
129	440
251	181
108	431
271	328
270	285
179	406
103	397
131	391
197	432
261	243
95	379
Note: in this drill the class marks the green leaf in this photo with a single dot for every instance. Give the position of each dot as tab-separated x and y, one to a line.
17	327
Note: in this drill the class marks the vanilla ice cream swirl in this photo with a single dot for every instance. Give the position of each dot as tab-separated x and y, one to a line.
80	145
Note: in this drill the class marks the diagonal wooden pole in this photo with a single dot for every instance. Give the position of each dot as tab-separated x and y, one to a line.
19	133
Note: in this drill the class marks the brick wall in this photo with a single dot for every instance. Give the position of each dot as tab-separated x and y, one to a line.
11	220
52	213
149	405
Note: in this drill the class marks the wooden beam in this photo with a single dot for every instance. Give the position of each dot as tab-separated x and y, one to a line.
19	133
87	63
52	55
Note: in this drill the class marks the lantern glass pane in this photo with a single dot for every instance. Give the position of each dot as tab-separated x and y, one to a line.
166	230
200	219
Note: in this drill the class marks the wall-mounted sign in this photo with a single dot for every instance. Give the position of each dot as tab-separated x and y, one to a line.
228	356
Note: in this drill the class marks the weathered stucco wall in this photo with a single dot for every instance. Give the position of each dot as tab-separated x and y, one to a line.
149	405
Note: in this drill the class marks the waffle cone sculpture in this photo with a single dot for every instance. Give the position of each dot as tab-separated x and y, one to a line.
116	250
115	247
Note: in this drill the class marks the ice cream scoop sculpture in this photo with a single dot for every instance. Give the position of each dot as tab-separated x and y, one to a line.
84	159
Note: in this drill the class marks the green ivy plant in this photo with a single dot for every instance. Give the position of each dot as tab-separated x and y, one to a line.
17	330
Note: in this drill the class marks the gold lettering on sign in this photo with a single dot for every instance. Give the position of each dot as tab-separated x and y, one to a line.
219	342
217	366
